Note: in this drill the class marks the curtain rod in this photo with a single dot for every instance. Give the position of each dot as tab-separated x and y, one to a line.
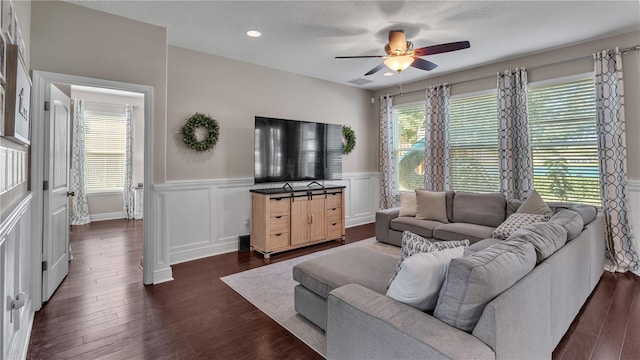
623	51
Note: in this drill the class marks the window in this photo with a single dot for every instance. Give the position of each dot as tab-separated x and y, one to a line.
105	135
408	136
562	122
473	138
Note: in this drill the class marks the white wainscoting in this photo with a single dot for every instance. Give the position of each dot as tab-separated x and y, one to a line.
16	257
633	190
204	218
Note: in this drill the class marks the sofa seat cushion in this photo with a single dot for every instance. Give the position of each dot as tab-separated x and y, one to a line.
487	209
358	265
423	228
461	231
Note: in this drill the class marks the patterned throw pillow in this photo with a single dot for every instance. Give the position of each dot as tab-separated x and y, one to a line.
515	222
444	245
411	244
414	243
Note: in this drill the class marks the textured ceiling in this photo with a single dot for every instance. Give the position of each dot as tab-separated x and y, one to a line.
303	37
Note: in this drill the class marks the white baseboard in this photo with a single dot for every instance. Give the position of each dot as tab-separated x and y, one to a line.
107	216
198	252
162	275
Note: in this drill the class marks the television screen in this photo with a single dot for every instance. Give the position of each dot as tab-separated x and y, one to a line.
290	150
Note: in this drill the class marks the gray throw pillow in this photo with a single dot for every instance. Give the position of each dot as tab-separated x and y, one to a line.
431	205
546	238
534	205
474	280
570	221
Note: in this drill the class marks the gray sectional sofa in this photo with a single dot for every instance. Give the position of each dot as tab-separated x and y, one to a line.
344	292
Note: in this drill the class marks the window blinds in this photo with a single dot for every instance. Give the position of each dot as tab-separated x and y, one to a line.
562	121
473	135
104	150
409	131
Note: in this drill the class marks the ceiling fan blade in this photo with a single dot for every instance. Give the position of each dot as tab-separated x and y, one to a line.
441	48
360	57
375	69
423	64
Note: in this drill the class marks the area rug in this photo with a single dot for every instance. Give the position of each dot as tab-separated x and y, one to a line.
270	289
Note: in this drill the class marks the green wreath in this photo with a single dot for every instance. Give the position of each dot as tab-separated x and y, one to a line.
199	120
350	140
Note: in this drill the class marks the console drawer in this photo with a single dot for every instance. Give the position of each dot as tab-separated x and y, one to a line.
334	230
279	223
279	206
334	200
334	214
278	240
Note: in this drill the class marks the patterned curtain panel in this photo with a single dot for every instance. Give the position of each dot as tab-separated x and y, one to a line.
127	193
387	161
79	214
436	150
612	152
514	145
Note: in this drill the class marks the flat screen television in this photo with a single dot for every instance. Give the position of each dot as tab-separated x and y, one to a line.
291	150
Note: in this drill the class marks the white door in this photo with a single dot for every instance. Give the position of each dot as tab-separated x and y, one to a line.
55	246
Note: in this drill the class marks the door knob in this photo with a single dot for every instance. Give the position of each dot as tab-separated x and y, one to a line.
71	193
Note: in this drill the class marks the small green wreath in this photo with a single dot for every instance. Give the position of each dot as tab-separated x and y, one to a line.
350	140
199	120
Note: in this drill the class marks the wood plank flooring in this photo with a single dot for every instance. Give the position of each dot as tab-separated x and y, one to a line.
102	310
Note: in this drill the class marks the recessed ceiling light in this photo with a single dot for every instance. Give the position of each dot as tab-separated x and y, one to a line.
388	74
254	33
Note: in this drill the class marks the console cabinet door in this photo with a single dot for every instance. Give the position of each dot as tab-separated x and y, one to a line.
317	227
300	220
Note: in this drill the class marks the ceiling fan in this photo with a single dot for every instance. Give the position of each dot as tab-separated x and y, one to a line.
401	55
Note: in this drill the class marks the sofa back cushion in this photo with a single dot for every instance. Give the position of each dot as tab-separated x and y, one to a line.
587	212
474	280
449	200
546	238
570	221
481	209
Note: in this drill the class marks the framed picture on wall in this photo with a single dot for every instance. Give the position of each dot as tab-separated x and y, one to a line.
17	97
15	27
7	20
1	109
3	58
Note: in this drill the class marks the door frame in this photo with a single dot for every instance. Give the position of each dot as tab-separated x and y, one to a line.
40	81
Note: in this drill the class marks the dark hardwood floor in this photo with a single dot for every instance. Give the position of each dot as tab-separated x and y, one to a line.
102	310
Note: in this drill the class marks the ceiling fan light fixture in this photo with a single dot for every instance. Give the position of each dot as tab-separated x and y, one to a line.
399	63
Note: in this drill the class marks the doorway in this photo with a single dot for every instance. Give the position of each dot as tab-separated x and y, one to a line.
42	81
